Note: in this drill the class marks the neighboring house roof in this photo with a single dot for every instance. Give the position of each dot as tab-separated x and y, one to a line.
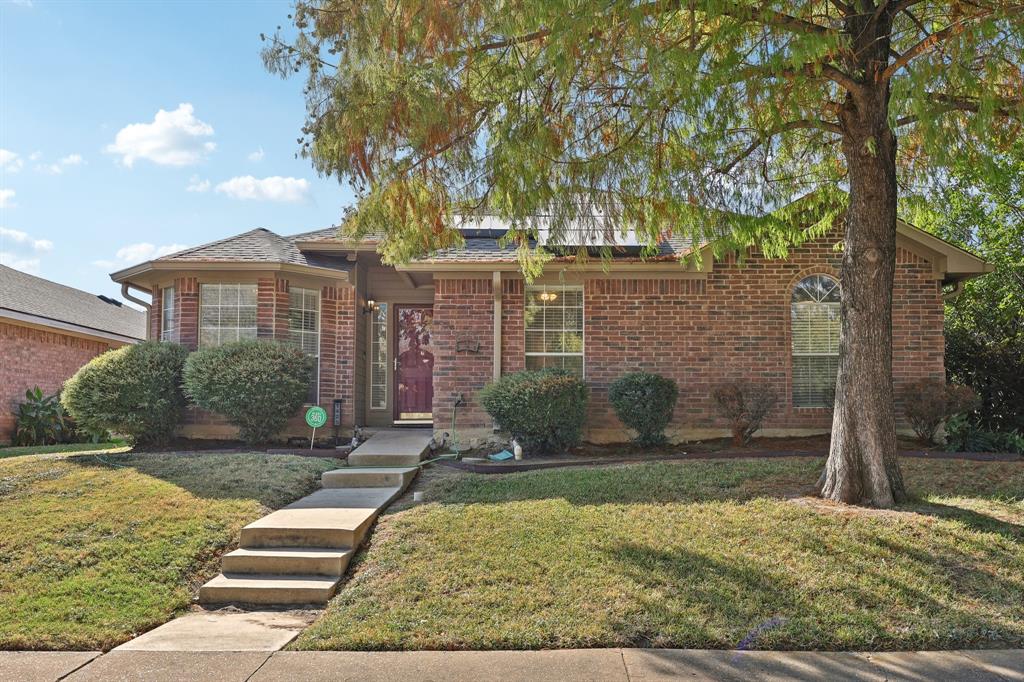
33	299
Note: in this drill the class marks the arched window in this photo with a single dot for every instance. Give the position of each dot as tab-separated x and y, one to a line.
815	312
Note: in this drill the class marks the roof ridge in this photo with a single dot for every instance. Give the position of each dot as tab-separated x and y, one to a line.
217	242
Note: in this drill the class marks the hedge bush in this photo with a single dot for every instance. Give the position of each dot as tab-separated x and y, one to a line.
929	403
544	410
255	385
745	404
133	390
644	402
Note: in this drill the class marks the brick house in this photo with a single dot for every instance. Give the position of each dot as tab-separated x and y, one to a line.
48	331
406	344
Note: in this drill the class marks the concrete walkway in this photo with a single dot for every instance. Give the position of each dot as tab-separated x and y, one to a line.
598	665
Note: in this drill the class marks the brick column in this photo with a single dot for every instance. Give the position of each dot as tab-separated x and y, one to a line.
266	299
155	314
282	304
337	348
463	318
186	294
513	332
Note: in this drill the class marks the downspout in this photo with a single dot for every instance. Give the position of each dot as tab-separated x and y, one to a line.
951	296
496	351
148	306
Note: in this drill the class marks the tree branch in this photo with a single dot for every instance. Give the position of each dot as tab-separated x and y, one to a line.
803	124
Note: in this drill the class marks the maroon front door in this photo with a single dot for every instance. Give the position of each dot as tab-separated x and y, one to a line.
414	364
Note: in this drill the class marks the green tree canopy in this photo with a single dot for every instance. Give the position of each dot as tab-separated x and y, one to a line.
699	117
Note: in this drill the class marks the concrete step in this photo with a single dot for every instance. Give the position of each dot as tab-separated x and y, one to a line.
392	447
335	518
288	561
360	459
268	589
369	477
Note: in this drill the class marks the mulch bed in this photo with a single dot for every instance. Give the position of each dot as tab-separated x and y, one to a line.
574	460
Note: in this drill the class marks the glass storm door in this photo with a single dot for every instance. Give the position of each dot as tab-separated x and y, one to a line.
414	364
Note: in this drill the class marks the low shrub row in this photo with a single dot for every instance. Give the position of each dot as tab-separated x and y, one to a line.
142	390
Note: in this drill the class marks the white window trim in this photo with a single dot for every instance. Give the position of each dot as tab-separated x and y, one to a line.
168	333
319	333
387	353
202	305
583	312
794	354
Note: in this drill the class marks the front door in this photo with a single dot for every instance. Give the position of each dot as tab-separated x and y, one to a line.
414	364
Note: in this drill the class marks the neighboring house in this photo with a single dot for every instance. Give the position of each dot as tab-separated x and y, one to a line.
404	345
48	331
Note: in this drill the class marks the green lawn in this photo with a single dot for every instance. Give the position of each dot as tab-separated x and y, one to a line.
63	448
715	554
95	549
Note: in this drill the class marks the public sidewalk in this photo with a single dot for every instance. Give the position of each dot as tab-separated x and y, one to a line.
589	665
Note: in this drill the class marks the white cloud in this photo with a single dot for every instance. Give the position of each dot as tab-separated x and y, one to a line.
197	185
58	168
256	155
174	138
23	238
10	162
7	198
35	156
137	253
274	188
12	260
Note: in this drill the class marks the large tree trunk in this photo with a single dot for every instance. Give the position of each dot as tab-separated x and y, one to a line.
862	466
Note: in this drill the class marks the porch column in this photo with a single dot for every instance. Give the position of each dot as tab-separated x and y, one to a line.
496	288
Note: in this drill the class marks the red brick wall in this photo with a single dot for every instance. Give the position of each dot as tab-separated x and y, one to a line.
186	294
463	318
155	314
701	332
513	326
337	349
33	357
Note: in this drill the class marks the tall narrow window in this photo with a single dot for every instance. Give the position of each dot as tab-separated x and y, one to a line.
304	330
227	312
815	319
168	320
554	328
379	358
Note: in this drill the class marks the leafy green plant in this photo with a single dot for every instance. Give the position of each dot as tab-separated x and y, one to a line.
644	402
929	403
133	390
745	404
256	385
41	420
962	435
544	410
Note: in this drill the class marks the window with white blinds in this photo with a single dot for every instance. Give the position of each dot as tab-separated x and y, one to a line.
304	329
227	312
554	328
379	358
168	320
815	326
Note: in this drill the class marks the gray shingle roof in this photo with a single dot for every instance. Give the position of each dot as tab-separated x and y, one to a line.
23	293
259	246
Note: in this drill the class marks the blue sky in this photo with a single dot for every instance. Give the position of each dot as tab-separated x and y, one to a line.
93	178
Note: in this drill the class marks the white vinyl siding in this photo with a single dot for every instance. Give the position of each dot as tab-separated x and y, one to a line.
379	358
168	320
304	330
815	327
554	328
227	312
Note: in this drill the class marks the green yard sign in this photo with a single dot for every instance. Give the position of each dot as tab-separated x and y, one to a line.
316	417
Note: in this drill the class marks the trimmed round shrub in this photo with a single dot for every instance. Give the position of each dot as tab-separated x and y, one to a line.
133	390
644	402
255	385
544	410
